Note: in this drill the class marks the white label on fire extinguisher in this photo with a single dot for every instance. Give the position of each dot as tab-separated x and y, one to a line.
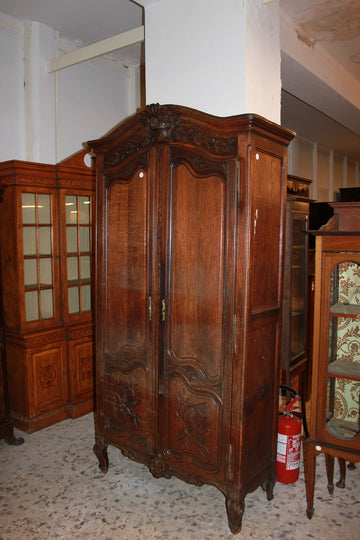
288	450
281	447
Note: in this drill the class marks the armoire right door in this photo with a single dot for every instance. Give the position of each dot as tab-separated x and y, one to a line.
197	313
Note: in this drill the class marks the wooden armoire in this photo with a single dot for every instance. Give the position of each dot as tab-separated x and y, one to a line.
189	262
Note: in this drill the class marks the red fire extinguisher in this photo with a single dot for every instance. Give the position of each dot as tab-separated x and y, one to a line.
288	444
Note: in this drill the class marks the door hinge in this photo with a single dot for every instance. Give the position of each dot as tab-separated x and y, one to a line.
163	310
235	333
150	307
230	462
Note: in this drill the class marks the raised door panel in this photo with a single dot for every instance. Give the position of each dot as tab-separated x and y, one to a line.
81	370
127	347
195	350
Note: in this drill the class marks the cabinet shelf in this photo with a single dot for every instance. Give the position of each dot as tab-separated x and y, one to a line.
34	287
343	429
295	314
344	369
345	310
75	282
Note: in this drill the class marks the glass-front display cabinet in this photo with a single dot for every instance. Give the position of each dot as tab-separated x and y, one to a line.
335	398
294	350
47	261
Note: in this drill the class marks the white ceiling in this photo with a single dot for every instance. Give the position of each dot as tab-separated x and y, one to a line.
332	24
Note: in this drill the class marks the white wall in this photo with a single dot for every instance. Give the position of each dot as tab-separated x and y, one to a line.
328	170
46	117
11	89
239	40
91	98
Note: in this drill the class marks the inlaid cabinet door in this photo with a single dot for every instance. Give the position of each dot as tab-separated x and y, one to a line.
48	374
127	355
196	315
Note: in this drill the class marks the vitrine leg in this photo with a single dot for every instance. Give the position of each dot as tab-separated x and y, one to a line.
14	441
100	450
329	461
309	469
235	508
342	467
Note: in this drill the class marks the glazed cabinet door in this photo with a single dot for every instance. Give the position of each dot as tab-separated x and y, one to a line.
338	407
196	315
126	343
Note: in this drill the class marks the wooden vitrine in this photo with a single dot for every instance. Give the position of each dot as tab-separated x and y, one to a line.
46	281
190	220
294	348
334	404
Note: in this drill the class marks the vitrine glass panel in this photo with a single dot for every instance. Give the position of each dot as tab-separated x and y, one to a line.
71	209
73	269
343	391
86	298
44	240
28	208
30	273
85	268
45	272
78	242
44	209
38	252
84	204
46	296
71	240
32	306
85	239
73	299
29	240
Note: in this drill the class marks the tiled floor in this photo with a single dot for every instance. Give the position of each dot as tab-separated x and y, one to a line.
51	487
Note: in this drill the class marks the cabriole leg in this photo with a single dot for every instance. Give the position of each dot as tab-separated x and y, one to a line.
100	450
235	508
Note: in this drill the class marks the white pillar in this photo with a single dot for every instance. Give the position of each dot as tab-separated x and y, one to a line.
40	94
219	57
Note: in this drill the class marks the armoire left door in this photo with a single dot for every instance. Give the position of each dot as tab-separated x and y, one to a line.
127	367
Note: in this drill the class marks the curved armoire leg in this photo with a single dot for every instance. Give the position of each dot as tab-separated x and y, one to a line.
235	508
100	450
